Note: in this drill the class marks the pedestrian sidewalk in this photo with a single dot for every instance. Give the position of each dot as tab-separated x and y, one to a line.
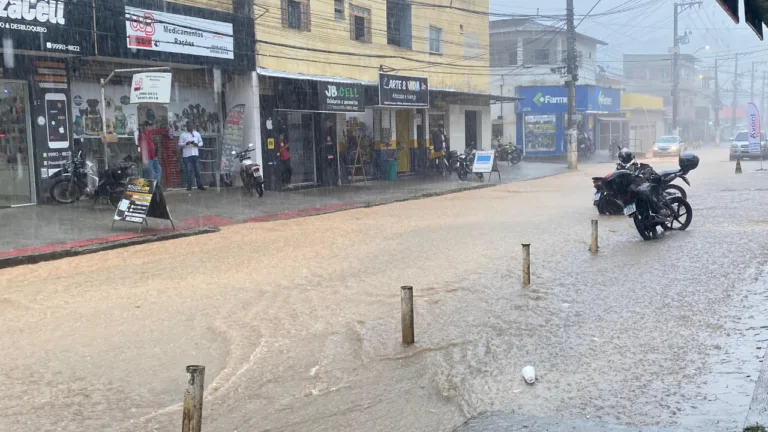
47	227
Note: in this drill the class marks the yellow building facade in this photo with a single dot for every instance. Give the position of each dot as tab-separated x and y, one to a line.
305	47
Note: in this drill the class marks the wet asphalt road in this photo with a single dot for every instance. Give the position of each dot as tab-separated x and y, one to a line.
298	321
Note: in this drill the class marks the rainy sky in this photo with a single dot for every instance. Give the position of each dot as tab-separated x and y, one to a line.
645	27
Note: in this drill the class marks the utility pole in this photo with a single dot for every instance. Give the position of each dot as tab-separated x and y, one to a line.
716	104
735	93
677	40
571	76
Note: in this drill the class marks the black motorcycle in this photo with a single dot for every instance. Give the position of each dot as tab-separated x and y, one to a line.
667	176
72	181
465	162
646	203
584	145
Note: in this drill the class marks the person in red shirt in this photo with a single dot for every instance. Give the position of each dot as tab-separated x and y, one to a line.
152	167
285	160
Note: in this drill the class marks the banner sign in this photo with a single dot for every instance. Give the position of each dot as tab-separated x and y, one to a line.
151	87
403	91
162	31
141	199
340	97
753	123
483	161
62	27
233	136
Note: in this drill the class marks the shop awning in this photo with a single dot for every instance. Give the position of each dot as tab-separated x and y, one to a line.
612	119
291	75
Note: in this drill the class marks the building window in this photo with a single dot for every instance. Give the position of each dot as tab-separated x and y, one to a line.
435	40
359	24
295	14
338	9
513	56
541	57
399	23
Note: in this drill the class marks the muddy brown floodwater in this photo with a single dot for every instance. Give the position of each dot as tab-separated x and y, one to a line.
297	322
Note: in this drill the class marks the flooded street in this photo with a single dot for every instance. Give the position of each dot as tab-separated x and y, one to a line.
298	325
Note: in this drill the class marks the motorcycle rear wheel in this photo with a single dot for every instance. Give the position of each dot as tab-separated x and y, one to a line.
609	206
682	211
676	190
260	190
515	159
116	195
65	191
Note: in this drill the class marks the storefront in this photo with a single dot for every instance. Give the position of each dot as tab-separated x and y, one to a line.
34	113
150	34
401	114
324	123
645	117
542	116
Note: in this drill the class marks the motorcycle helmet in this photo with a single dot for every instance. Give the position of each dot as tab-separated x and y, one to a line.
626	156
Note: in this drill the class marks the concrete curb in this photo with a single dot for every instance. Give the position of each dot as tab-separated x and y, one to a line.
56	254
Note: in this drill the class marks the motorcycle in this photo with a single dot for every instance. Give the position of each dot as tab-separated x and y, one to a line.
585	145
250	171
78	177
465	162
667	176
646	203
511	154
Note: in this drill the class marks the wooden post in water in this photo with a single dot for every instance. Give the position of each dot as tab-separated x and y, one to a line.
406	312
526	263
193	399
593	245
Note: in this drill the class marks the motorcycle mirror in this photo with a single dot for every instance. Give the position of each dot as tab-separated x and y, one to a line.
234	152
250	145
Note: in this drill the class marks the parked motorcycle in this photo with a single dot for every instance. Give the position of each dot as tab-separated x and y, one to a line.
250	171
585	146
508	153
466	161
646	203
78	178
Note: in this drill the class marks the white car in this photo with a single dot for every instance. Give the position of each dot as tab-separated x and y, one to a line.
668	145
740	146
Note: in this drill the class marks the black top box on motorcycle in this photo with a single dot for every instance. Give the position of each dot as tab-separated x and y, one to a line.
688	162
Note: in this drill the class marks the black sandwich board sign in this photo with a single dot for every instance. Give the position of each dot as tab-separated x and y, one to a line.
142	199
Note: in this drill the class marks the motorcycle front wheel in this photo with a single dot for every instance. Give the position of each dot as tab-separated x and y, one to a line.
645	225
515	159
676	190
65	191
462	173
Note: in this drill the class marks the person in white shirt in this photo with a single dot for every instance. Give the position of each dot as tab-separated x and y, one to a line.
190	141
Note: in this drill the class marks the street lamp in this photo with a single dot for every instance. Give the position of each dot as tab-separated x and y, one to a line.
705	47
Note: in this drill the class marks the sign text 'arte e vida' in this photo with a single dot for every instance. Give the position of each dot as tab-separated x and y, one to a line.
406	91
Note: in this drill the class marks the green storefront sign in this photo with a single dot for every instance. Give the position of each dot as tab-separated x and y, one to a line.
340	97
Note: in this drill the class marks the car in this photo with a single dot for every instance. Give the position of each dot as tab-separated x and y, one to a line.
668	145
740	147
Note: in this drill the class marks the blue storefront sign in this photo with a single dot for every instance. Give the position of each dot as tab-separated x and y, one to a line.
542	115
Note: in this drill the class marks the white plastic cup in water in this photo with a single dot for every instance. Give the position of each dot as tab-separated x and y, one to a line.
529	374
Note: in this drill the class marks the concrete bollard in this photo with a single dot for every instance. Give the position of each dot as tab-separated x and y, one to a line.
526	263
193	399
593	245
406	312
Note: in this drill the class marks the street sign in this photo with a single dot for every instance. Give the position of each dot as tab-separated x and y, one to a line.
753	122
483	161
151	87
141	199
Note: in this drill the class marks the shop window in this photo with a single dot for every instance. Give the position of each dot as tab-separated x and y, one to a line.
338	9
399	23
540	132
541	57
295	14
435	40
359	24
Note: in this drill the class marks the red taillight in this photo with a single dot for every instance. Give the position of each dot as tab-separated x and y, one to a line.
257	169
